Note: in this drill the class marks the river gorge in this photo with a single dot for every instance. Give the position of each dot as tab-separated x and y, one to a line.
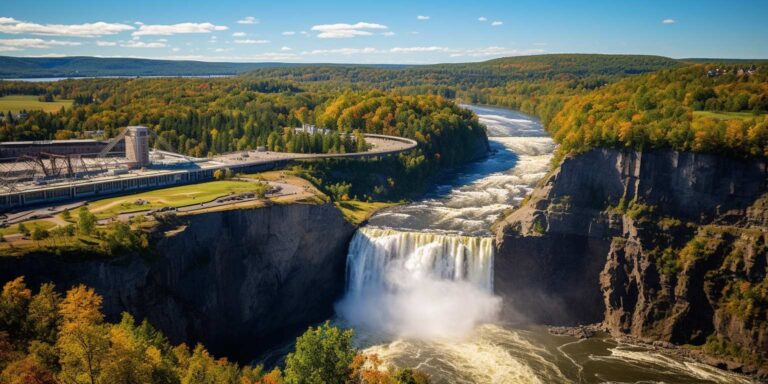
420	284
442	285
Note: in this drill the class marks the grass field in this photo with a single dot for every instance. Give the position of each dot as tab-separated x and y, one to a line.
171	197
14	229
724	115
28	103
358	211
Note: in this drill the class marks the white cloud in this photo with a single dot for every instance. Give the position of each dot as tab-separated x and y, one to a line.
418	49
13	26
497	23
248	20
175	49
106	43
48	55
222	49
286	49
142	44
668	21
342	30
166	30
388	33
289	33
8	49
35	43
420	17
268	56
238	34
251	41
342	51
482	18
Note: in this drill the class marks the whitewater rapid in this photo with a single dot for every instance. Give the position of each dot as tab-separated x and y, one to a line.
420	283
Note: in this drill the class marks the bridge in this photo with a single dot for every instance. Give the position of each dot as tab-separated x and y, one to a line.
176	169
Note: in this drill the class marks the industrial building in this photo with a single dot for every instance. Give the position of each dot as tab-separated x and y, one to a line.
48	177
10	151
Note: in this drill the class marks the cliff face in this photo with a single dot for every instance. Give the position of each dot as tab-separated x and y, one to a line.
659	245
236	281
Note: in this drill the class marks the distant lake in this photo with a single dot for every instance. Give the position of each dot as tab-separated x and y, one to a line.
47	79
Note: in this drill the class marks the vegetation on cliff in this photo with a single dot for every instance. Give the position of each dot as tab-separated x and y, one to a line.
705	284
49	338
700	108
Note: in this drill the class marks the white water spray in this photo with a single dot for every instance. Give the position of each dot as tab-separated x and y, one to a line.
418	284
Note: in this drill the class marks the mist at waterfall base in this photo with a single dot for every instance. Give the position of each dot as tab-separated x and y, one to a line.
420	283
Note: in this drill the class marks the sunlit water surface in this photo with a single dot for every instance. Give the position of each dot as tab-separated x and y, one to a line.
420	283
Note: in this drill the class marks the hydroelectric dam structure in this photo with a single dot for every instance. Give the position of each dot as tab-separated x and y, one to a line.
43	177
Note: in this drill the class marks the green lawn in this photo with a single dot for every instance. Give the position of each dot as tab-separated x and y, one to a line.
18	103
724	115
171	197
13	229
358	211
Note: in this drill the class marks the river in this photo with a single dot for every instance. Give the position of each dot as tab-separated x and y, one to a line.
420	283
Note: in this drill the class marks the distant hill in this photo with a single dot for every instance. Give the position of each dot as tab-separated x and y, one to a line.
704	60
491	73
81	66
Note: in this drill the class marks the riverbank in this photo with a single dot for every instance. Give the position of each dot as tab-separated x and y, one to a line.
662	247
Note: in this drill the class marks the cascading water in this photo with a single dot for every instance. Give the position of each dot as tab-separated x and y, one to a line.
419	284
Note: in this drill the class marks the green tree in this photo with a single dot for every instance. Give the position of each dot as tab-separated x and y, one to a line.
23	229
40	233
86	221
323	355
43	315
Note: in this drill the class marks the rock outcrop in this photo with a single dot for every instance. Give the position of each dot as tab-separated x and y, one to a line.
660	245
237	281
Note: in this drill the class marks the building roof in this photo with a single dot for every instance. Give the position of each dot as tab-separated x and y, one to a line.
51	142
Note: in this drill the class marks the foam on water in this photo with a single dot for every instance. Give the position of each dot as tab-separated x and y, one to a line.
420	284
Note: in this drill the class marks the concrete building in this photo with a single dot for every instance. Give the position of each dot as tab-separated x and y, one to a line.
137	146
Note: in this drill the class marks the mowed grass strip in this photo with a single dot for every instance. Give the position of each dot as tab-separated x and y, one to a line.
726	115
31	225
171	197
18	103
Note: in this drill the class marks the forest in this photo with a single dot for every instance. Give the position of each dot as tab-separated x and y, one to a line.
701	108
204	117
623	101
50	338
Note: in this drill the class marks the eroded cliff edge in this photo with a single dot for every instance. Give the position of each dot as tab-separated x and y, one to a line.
659	245
237	281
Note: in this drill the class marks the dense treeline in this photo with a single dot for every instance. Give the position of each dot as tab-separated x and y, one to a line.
47	338
492	73
537	85
702	108
203	117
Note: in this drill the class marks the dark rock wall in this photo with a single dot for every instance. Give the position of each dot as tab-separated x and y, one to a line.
237	281
685	264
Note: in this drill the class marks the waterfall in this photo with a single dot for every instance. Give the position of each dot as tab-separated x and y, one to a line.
419	284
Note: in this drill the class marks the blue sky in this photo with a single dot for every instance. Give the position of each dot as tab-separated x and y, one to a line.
385	31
